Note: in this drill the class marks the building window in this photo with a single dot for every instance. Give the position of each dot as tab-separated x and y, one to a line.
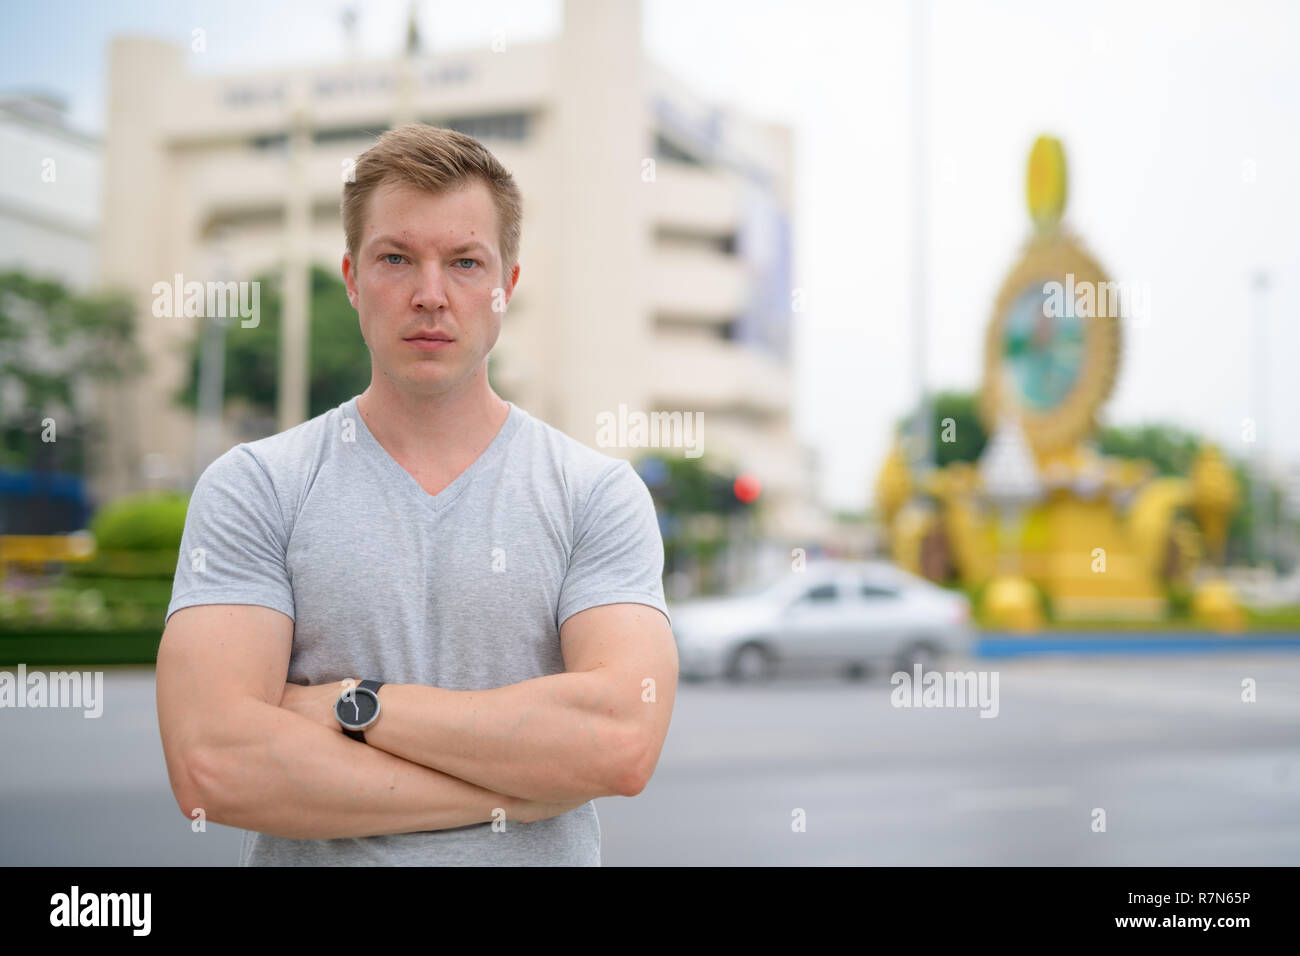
346	133
498	126
668	150
246	96
688	240
456	74
271	141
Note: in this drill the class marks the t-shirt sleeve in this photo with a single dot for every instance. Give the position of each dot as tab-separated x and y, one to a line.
234	543
618	554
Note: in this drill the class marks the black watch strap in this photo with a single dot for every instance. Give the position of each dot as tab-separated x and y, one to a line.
371	685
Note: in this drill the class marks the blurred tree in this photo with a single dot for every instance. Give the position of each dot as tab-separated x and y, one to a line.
684	489
338	364
1170	448
966	429
683	486
1242	540
54	343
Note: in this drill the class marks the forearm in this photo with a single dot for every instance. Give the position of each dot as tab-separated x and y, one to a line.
553	738
276	772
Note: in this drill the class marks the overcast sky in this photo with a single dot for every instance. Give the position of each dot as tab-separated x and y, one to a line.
1181	123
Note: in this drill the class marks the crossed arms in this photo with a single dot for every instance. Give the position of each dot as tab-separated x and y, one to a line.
435	759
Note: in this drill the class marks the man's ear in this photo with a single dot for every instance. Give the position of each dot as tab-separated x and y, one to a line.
514	281
350	278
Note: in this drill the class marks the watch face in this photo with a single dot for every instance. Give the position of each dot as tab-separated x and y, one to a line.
357	709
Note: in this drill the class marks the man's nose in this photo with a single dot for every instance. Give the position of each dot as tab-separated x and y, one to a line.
431	293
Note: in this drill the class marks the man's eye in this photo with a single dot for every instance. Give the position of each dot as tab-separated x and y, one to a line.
394	255
472	262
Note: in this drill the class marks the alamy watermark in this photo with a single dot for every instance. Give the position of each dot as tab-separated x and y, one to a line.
946	689
1087	300
651	430
212	300
75	908
56	689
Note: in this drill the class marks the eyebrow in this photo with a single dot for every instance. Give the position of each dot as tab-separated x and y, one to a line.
470	246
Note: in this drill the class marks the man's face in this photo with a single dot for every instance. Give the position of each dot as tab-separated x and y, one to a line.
427	267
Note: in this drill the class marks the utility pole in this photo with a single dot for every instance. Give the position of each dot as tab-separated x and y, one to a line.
404	111
291	397
1261	498
351	39
212	366
922	453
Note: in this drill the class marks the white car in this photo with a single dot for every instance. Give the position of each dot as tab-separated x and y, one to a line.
852	615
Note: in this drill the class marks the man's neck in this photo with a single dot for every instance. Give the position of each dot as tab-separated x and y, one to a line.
433	431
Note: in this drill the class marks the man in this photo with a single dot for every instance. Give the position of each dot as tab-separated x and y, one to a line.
497	581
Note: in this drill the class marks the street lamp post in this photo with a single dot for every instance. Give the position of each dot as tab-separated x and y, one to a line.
212	367
291	398
1261	500
922	437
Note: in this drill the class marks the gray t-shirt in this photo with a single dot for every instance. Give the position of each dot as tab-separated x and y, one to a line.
464	590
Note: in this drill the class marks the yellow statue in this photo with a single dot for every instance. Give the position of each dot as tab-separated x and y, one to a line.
1102	538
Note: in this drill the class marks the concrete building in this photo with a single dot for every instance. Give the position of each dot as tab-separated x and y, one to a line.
49	192
49	218
656	240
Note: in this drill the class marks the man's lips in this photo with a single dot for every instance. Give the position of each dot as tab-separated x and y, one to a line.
436	336
429	340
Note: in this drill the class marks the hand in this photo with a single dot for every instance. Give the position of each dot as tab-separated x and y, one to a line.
315	702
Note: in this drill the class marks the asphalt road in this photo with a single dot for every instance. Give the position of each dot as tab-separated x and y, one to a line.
1185	771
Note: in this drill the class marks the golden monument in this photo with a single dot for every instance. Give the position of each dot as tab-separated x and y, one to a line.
1043	512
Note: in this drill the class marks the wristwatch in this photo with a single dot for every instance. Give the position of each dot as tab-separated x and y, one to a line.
358	708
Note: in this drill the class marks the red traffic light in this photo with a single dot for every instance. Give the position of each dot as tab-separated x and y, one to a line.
746	488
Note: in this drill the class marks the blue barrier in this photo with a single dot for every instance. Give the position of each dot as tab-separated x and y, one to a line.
998	644
42	502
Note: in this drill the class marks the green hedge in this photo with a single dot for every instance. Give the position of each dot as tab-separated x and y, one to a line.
109	610
45	648
146	522
120	565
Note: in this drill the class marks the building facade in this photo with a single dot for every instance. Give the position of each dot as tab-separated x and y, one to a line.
49	192
655	258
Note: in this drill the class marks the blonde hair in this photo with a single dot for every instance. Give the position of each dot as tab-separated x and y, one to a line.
438	160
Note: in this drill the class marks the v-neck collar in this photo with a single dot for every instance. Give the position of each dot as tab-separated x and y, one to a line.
443	499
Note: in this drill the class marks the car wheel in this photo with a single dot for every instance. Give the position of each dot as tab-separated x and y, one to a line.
751	663
919	653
